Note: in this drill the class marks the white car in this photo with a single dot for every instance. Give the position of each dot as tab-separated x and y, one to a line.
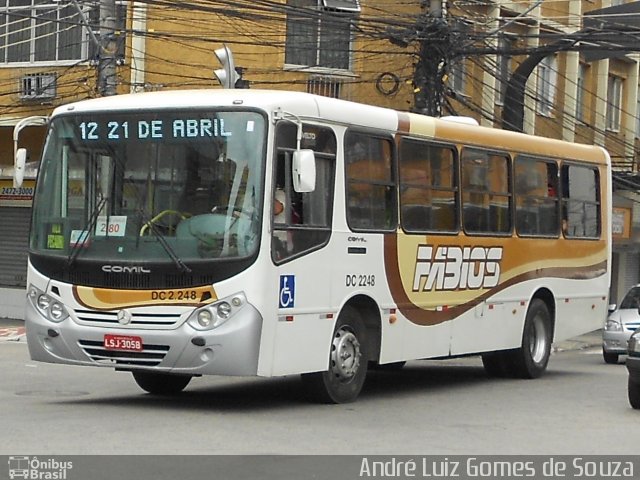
622	321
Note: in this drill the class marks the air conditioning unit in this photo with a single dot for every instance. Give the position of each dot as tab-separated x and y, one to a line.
38	86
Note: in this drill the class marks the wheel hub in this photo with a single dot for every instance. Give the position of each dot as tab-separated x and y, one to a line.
538	340
345	355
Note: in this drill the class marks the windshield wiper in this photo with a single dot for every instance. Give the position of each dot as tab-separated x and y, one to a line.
84	234
163	241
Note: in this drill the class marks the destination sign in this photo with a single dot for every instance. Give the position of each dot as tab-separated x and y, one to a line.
156	129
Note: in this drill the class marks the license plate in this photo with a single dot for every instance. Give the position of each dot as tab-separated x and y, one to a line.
123	342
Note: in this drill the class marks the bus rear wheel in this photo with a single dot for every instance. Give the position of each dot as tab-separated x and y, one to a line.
497	364
344	379
160	383
531	359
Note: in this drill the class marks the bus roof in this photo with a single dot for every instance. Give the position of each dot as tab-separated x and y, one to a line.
302	104
308	106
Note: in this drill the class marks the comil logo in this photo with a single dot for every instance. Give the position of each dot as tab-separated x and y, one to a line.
33	468
456	268
125	269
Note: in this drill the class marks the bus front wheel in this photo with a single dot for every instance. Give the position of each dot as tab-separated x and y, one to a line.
160	383
344	379
633	392
531	359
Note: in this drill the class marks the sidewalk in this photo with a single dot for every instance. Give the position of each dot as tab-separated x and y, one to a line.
582	342
13	330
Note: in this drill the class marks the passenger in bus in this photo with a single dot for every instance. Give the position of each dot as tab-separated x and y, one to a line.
281	240
279	200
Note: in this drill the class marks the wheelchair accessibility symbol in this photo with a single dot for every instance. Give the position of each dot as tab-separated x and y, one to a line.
287	291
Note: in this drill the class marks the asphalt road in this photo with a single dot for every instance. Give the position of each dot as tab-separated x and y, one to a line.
447	407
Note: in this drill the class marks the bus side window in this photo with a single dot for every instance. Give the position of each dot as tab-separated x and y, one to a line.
486	197
580	201
304	223
371	193
428	197
536	183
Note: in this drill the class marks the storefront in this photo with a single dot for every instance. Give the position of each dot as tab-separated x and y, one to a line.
15	217
626	244
15	214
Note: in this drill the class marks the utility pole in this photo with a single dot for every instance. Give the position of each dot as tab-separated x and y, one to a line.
434	37
107	79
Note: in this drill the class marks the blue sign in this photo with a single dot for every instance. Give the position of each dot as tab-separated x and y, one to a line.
287	291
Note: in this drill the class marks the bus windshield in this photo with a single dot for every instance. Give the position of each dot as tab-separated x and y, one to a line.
175	186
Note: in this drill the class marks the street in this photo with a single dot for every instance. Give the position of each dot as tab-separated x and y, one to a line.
447	407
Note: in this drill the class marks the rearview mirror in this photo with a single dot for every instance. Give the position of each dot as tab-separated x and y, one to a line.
18	167
304	171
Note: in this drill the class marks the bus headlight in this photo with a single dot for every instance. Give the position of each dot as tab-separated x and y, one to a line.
213	315
205	318
48	307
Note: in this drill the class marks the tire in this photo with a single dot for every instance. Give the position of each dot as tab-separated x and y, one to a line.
160	383
343	381
531	359
496	364
610	358
633	390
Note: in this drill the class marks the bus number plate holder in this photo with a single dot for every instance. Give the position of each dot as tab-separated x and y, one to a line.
127	343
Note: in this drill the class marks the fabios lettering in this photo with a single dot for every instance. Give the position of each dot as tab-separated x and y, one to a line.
453	268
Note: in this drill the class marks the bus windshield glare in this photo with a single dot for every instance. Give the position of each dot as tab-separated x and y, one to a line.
163	186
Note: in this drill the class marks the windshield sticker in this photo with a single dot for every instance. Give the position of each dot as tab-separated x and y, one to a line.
55	238
114	227
78	237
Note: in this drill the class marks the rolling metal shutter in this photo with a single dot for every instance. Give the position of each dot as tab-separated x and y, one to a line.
632	270
14	234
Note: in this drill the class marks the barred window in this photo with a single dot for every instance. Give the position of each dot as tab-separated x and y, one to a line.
34	31
319	33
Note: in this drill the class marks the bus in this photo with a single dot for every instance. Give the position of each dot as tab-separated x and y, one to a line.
178	234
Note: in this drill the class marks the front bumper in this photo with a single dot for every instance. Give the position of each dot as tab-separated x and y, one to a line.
230	349
615	341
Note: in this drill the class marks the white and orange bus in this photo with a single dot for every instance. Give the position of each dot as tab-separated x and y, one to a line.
243	232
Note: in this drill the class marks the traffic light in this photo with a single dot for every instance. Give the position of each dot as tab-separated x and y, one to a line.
227	75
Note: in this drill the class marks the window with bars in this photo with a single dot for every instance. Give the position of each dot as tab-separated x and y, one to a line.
38	31
38	86
327	87
319	33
